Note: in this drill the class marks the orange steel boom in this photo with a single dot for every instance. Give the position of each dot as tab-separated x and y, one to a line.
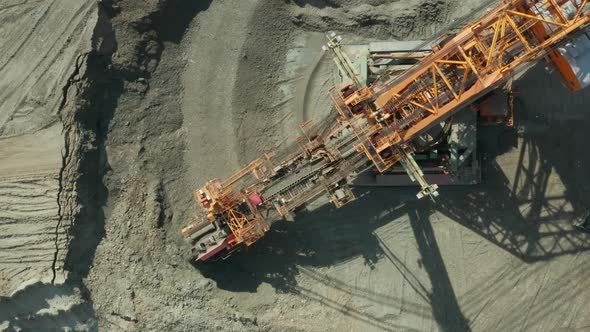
377	125
477	59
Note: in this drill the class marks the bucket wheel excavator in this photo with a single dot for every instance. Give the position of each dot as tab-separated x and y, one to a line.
378	126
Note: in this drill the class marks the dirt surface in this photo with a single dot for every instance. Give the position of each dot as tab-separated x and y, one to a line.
42	43
137	103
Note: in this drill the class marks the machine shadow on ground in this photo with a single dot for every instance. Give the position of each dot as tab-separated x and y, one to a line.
531	214
443	301
331	236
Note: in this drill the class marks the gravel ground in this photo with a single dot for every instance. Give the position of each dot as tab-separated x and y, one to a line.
168	94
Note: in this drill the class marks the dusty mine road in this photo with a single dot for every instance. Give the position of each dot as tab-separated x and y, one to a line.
112	112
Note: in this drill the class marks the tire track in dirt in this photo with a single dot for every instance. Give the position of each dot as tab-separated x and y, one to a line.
37	63
27	224
42	45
